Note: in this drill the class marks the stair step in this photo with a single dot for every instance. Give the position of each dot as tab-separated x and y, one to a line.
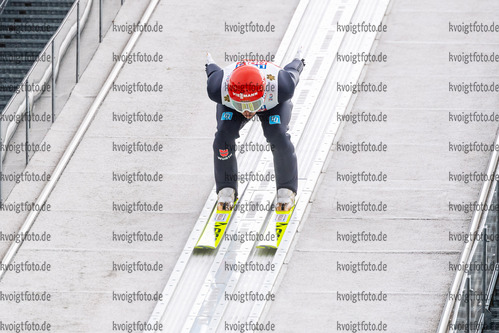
20	51
30	27
29	19
15	68
27	11
25	35
7	42
38	2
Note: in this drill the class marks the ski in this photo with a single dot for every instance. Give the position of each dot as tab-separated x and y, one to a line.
275	228
215	228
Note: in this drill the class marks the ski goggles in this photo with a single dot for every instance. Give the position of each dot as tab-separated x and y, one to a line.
247	106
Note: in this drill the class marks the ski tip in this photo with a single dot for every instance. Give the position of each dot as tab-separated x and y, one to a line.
267	245
204	247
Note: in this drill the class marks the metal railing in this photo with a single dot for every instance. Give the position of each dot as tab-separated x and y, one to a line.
471	311
2	5
466	308
45	89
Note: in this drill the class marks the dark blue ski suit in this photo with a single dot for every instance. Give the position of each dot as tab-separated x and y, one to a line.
274	121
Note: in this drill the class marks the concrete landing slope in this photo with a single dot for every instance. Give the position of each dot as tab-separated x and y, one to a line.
376	252
132	191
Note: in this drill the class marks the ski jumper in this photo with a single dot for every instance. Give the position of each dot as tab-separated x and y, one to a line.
274	114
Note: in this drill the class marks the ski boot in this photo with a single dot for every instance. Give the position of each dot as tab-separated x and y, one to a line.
285	200
226	199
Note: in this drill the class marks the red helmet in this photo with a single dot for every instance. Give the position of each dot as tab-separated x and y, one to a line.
246	88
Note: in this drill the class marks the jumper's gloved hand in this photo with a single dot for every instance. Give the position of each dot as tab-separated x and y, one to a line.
210	66
209	59
299	55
